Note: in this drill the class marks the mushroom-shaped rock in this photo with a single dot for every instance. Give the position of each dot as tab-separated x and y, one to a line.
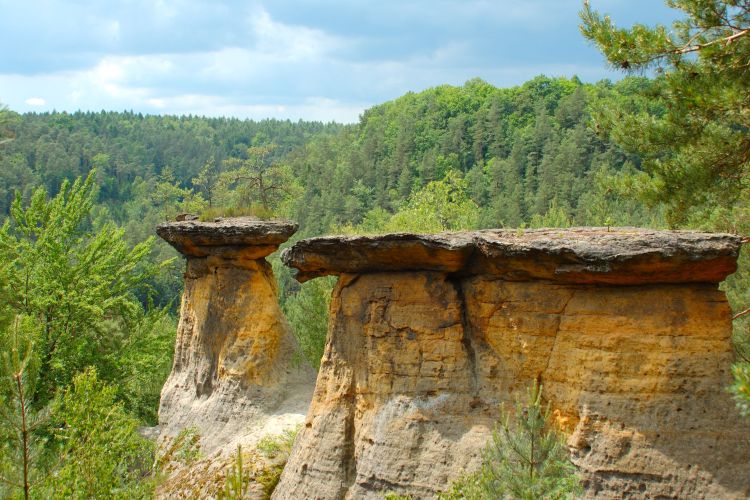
626	329
238	237
233	367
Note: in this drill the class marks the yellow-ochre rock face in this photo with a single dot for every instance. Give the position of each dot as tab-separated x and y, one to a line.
234	379
625	329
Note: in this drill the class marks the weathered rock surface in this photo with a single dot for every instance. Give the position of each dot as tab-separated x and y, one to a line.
429	335
234	378
233	238
577	255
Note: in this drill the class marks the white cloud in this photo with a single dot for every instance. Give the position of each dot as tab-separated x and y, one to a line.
291	42
35	101
310	60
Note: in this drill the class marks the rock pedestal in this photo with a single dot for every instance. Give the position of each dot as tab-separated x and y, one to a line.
233	368
626	330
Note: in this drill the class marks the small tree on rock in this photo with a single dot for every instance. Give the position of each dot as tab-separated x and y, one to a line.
526	458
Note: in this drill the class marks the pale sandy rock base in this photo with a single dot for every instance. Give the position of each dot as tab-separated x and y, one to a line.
418	363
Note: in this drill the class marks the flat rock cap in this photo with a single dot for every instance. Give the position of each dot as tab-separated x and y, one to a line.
247	237
627	256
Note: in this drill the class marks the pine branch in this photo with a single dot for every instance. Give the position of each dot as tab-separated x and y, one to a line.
687	49
741	314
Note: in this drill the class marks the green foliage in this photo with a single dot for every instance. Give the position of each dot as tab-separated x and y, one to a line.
555	216
257	211
526	458
741	387
102	455
307	312
515	151
143	361
5	120
235	485
269	478
395	496
467	486
76	284
22	454
255	180
275	445
207	181
275	448
66	303
172	199
441	205
696	143
184	448
695	147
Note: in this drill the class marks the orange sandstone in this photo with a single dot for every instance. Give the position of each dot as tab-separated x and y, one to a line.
430	334
233	379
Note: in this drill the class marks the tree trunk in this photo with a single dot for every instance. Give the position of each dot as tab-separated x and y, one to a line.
24	436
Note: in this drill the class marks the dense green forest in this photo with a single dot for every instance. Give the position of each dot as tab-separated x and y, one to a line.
90	297
517	153
530	145
520	151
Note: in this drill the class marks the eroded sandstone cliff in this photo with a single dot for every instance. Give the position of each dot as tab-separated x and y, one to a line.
234	378
626	329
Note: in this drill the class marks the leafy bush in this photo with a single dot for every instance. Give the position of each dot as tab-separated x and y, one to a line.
741	387
101	454
275	445
76	281
307	312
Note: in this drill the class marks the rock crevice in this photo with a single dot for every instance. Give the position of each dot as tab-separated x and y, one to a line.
430	334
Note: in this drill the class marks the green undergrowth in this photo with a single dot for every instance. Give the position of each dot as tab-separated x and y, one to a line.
255	210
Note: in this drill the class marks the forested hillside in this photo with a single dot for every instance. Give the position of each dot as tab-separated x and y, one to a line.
89	296
465	157
509	155
520	151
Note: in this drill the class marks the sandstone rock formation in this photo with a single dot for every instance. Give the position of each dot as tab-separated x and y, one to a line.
626	330
234	378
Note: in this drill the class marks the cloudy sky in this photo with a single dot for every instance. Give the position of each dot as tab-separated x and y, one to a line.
310	59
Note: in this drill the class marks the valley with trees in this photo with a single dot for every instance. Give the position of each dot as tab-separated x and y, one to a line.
90	298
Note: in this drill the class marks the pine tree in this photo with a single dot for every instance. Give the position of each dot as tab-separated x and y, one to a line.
257	177
21	450
697	151
527	458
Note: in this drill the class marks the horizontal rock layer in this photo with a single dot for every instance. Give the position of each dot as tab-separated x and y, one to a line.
245	237
577	255
430	335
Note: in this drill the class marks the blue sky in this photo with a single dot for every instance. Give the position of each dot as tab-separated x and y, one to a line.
315	60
